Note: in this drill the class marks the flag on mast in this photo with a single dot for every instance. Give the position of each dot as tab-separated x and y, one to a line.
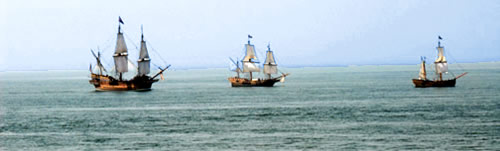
120	20
250	36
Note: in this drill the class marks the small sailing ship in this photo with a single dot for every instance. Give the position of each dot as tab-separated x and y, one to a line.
441	67
141	81
250	64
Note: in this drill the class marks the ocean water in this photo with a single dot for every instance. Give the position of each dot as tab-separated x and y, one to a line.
327	108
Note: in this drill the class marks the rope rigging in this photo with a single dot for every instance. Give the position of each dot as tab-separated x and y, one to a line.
461	68
157	53
152	48
108	44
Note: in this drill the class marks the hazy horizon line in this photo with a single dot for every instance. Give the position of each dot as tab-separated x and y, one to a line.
222	67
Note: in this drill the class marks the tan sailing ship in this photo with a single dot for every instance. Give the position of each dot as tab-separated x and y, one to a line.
441	66
141	81
250	65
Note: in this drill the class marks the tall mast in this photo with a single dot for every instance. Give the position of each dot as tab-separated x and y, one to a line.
98	60
423	74
120	55
99	64
250	59
270	66
237	64
144	60
238	70
441	63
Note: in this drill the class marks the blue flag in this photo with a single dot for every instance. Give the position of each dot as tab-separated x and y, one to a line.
120	20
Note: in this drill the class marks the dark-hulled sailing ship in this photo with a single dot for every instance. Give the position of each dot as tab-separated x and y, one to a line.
250	65
441	67
141	81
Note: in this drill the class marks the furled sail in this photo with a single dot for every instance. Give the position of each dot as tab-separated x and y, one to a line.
121	54
270	66
250	60
144	60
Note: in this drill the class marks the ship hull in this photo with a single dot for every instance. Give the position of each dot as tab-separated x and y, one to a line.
107	83
242	82
428	83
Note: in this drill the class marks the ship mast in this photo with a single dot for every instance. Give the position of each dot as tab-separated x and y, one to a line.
120	55
99	64
144	60
237	64
270	66
250	59
423	74
441	63
238	69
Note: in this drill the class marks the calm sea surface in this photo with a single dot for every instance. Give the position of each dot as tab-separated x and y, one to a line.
358	108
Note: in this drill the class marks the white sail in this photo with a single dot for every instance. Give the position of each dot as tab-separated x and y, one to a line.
132	70
250	59
144	61
441	57
144	51
270	66
250	67
250	53
144	68
121	54
121	64
422	75
131	66
441	67
270	58
270	69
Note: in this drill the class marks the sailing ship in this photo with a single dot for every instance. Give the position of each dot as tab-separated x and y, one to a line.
141	81
250	64
441	67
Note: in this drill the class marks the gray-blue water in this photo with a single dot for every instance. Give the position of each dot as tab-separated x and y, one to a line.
359	108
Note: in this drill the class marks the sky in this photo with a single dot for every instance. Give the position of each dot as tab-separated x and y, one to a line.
58	35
